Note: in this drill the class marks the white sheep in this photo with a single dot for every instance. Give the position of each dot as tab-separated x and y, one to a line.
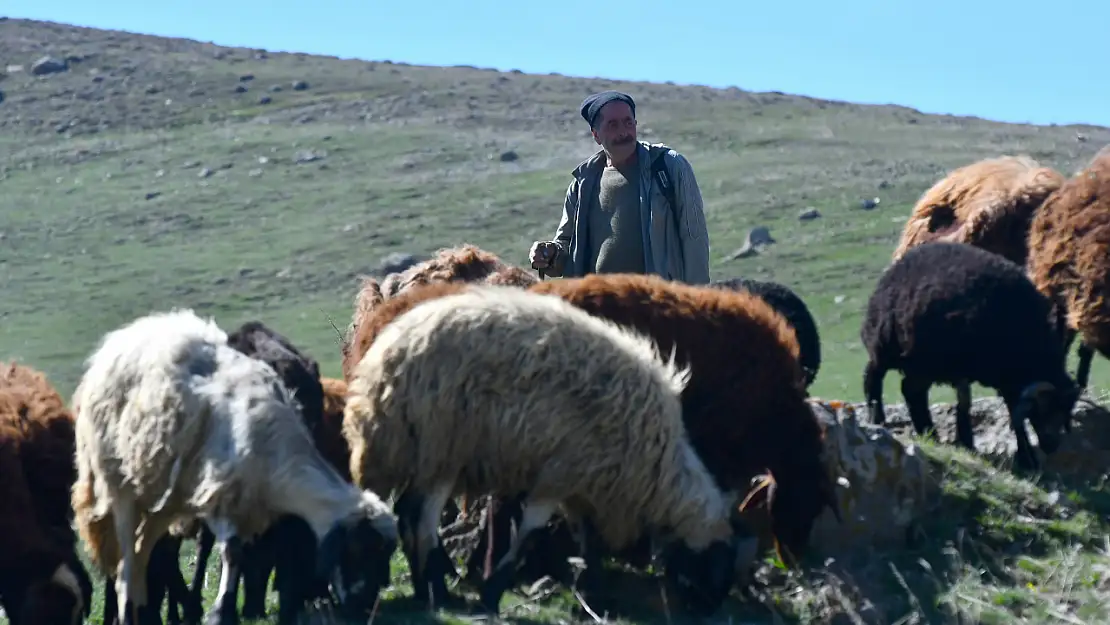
173	424
499	390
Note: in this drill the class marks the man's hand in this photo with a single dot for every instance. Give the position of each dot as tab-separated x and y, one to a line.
542	253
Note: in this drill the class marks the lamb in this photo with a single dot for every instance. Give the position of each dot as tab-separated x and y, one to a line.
462	264
954	314
988	204
42	580
498	390
1070	263
174	425
787	303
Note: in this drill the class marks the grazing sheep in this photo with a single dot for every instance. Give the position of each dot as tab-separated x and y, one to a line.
1070	261
301	374
988	204
173	425
787	303
952	313
498	390
463	264
42	580
735	408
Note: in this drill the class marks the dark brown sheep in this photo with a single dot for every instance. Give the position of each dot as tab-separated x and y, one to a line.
464	264
988	204
746	390
41	577
952	313
1070	259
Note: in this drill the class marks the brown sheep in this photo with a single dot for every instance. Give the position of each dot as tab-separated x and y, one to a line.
462	264
1070	262
329	438
735	407
988	204
41	577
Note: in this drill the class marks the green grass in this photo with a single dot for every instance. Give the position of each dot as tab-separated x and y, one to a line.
104	217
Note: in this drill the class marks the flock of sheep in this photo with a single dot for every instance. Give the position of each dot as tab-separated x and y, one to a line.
612	415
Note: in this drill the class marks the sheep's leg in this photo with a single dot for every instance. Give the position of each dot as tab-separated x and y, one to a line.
495	533
111	606
179	594
231	554
915	391
1024	457
205	541
257	564
433	561
1086	354
873	392
964	434
126	583
536	514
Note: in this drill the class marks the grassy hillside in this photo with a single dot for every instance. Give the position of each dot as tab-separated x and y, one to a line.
155	172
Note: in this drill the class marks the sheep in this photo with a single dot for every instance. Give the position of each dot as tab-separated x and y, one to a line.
330	439
173	425
499	390
42	580
1070	262
735	407
953	313
462	264
988	203
301	374
789	305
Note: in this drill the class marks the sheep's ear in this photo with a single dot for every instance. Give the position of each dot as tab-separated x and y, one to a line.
330	551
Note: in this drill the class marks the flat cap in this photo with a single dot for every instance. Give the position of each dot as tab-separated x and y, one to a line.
592	104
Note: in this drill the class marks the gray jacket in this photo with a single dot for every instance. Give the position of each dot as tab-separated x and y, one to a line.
661	241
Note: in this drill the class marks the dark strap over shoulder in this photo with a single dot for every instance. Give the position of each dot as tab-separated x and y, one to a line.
662	176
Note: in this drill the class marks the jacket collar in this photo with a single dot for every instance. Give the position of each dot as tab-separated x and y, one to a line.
645	151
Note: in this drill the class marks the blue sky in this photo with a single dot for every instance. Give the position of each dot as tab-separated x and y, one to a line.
1011	61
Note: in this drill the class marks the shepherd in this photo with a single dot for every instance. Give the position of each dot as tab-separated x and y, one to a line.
632	207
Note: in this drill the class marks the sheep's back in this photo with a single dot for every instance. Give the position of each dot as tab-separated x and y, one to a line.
746	383
953	311
1070	239
33	411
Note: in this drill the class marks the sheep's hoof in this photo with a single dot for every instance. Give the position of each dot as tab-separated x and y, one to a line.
254	611
222	618
432	590
495	586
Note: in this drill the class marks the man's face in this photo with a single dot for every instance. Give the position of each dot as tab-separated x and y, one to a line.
615	130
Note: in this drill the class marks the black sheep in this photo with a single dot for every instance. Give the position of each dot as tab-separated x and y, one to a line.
954	314
787	303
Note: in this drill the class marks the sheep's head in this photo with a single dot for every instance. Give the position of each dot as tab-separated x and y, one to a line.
793	504
1049	408
60	600
354	556
702	579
